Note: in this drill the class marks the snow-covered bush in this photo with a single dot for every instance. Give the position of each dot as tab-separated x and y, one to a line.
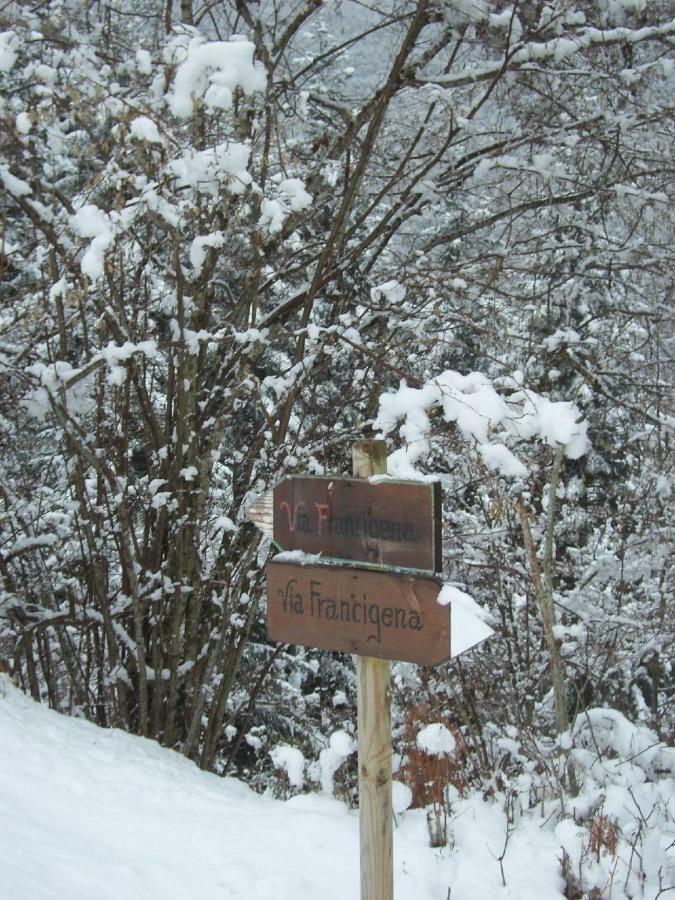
229	245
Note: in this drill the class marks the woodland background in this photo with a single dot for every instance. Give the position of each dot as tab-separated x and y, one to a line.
219	265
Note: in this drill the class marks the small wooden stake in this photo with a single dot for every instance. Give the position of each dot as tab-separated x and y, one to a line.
374	733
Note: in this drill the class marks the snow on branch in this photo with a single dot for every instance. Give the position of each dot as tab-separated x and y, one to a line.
479	411
9	50
557	49
211	72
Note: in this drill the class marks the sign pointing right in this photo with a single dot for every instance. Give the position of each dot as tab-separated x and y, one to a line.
386	614
468	621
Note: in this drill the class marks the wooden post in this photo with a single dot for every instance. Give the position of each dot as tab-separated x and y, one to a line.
374	734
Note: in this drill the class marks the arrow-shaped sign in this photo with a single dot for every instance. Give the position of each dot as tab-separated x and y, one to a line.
385	523
392	615
389	614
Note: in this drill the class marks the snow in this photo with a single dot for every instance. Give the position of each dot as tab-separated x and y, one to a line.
299	557
13	185
93	812
272	216
437	740
292	761
473	403
23	123
615	10
401	796
224	522
340	746
291	197
91	222
294	189
144	129
144	62
62	379
500	459
392	291
211	72
199	246
98	813
9	46
205	170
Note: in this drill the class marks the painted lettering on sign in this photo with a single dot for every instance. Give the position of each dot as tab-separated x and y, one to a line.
356	609
387	523
320	522
394	615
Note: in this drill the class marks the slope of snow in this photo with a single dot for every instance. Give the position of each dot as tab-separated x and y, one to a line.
94	814
87	812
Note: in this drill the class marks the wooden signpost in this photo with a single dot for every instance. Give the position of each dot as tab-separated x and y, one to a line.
387	609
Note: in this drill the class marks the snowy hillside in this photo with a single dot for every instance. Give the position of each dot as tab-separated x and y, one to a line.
93	813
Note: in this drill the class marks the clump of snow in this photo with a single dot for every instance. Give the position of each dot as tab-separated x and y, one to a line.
143	62
478	409
46	74
206	170
298	556
297	196
23	123
251	336
91	222
9	50
115	355
272	215
291	761
401	797
555	422
391	291
291	197
144	129
560	336
436	740
500	459
13	185
472	402
198	248
58	380
225	523
211	72
609	731
340	746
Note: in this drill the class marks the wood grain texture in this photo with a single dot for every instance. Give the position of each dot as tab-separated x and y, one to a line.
374	731
261	513
389	523
385	614
375	801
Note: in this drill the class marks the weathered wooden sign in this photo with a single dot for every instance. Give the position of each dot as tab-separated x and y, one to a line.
385	614
386	523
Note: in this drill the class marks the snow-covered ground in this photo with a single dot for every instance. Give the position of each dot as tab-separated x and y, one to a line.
92	813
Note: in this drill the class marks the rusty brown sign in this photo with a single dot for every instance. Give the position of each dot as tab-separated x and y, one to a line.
386	523
392	615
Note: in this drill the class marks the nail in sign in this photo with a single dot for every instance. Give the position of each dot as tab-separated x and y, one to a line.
387	523
391	615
